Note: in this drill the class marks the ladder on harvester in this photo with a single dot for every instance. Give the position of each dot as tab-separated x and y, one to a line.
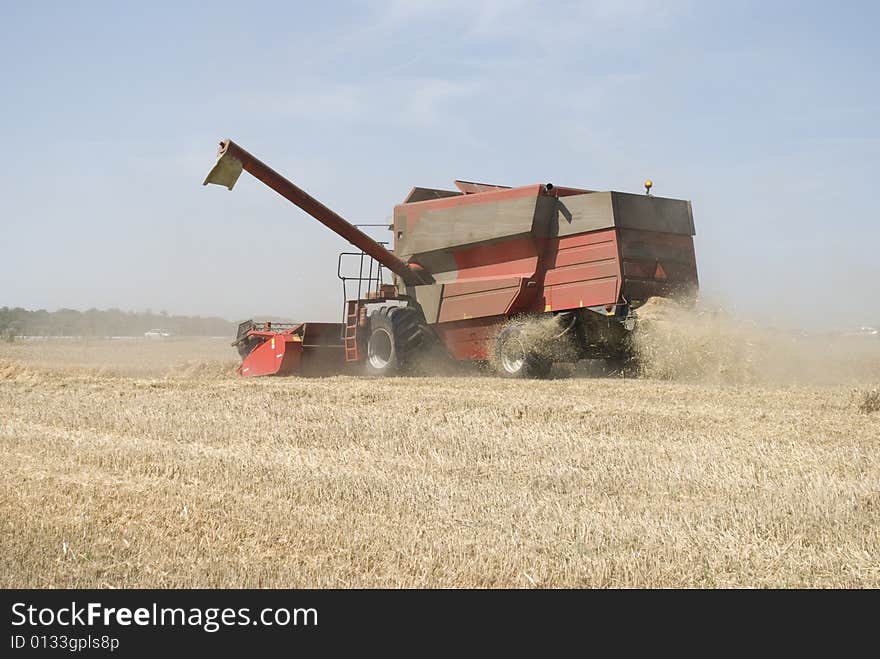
352	310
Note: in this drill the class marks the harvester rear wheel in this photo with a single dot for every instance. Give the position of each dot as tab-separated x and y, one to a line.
395	335
515	357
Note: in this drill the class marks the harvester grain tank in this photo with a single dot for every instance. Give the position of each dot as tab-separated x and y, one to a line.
475	270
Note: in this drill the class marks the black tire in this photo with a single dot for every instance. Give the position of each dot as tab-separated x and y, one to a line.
396	333
515	357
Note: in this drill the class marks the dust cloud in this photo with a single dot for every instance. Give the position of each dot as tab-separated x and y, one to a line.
711	345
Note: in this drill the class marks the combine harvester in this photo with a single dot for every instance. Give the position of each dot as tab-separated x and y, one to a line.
473	269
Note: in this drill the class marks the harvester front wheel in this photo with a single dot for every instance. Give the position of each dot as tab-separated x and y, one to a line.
515	357
395	334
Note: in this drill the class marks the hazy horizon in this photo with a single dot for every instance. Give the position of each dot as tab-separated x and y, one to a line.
763	115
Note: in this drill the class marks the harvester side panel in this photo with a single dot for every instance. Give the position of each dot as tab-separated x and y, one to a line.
477	299
657	264
505	258
485	239
582	270
428	297
604	210
659	214
517	256
439	224
470	339
489	278
584	212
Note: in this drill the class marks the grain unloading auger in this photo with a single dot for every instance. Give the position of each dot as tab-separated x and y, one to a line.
473	268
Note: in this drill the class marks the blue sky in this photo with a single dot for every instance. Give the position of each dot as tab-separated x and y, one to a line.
764	114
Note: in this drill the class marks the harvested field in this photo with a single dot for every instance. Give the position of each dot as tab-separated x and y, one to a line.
120	471
125	357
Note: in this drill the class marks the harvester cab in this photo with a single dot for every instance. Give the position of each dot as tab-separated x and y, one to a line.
516	277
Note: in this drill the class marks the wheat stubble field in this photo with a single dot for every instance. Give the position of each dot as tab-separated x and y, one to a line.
119	471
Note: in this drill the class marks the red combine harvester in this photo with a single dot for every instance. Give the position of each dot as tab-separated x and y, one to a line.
473	269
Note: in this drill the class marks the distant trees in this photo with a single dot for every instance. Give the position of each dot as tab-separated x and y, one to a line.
112	322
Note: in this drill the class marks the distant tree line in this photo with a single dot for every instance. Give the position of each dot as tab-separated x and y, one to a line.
111	322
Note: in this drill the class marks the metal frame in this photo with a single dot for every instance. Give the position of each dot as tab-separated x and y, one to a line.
368	283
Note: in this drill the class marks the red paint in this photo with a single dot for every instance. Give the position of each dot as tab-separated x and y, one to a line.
478	304
470	339
489	279
277	355
582	270
517	257
412	211
479	285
